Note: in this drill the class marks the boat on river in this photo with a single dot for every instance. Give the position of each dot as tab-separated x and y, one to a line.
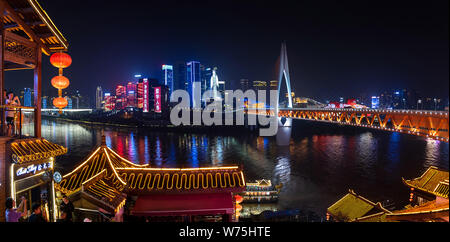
261	191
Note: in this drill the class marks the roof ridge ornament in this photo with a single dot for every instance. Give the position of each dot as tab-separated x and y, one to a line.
103	140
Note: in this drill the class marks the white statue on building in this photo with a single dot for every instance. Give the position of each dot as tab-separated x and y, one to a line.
214	85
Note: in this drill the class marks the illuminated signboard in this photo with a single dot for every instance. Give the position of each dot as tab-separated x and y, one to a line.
157	99
167	67
145	96
33	169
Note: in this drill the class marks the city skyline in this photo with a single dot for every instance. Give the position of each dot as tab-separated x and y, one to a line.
353	126
403	46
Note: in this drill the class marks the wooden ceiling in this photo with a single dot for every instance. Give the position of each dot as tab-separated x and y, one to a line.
27	19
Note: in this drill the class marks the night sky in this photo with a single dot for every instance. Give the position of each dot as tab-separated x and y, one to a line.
335	48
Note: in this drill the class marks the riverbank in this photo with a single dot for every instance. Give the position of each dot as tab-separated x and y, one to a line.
161	127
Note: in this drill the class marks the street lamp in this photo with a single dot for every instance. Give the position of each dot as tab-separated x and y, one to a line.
418	101
435	104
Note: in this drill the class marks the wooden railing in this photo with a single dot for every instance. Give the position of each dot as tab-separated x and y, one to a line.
16	128
20	50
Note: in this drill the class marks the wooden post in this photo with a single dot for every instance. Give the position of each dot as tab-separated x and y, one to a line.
37	92
3	169
2	67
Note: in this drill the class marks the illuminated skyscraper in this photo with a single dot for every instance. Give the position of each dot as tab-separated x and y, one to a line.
259	85
168	77
375	102
27	97
206	73
131	94
44	102
69	102
121	97
146	93
110	102
193	74
245	85
98	97
179	76
140	93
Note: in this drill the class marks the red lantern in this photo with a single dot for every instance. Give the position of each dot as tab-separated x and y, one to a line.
60	60
238	198
238	207
60	82
60	102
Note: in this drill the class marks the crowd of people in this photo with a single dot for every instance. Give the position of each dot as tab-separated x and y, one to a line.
20	214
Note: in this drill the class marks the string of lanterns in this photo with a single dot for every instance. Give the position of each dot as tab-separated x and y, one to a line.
60	60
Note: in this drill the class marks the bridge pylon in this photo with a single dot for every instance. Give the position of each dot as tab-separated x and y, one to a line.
284	124
284	131
284	70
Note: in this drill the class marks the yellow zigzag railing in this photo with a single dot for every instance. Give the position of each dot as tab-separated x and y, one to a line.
150	181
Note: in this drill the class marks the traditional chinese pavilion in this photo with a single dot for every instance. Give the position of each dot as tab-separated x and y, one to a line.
26	164
355	208
105	179
428	202
428	198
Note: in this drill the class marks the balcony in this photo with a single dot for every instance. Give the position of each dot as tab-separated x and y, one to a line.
22	124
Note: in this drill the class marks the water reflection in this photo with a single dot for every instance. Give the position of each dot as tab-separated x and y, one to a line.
432	154
316	170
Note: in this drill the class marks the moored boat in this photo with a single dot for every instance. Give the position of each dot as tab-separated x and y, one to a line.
261	191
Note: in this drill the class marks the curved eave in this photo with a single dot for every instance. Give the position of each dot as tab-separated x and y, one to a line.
409	183
30	150
49	23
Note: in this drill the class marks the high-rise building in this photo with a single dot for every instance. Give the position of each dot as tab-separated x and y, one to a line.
193	75
79	101
27	97
140	93
207	73
160	99
245	84
386	100
273	85
131	94
259	85
110	102
168	77
375	102
69	102
146	93
400	99
179	76
121	97
44	102
98	97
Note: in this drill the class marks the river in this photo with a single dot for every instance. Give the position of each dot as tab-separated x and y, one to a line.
321	164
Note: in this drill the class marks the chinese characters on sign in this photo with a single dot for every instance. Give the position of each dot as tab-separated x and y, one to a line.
157	99
145	105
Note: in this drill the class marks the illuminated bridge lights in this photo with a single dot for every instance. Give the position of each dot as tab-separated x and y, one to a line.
434	124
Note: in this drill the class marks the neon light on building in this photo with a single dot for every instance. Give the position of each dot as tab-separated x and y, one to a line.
375	102
145	96
193	75
168	77
157	99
